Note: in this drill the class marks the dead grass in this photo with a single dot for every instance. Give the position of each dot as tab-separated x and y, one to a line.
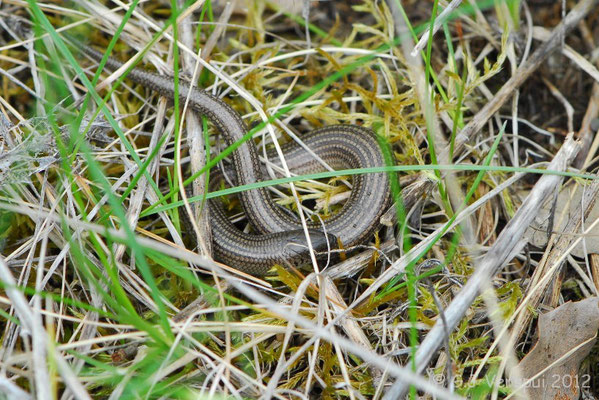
100	297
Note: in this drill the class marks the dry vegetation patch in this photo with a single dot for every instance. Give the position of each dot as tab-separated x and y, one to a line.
487	113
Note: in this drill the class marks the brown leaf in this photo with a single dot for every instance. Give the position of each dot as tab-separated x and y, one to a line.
565	334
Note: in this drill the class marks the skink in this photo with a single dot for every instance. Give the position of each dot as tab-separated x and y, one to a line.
280	238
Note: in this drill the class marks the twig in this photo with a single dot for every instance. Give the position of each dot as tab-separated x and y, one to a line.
329	335
523	72
545	268
12	391
197	145
508	243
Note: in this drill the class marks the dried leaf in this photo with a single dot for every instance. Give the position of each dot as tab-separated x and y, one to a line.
566	336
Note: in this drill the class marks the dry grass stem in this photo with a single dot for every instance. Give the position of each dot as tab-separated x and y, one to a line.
479	108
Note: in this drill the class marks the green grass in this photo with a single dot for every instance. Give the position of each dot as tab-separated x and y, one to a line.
123	280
